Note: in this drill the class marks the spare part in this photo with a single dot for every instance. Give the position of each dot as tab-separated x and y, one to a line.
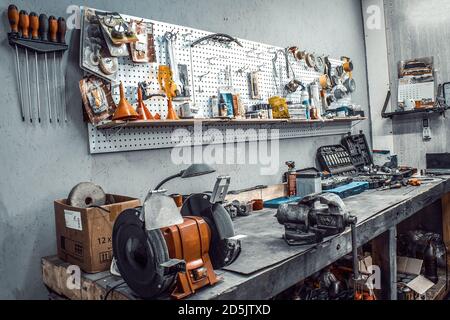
350	85
320	65
85	195
310	60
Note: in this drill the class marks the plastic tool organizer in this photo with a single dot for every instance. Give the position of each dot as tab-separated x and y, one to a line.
336	160
358	149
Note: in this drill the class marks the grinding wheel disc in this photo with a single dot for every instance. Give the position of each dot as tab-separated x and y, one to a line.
219	222
86	194
139	254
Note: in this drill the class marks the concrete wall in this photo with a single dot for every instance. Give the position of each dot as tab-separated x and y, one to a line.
377	72
418	29
41	163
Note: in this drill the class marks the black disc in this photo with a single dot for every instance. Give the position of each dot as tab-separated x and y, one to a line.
219	223
139	254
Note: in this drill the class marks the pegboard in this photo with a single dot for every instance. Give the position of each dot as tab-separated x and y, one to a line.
130	138
210	66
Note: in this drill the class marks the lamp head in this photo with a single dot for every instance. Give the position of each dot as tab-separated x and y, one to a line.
197	169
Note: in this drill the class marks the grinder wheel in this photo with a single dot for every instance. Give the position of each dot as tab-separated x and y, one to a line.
139	254
219	223
86	194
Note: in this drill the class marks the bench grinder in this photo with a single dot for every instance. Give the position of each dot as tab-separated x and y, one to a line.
158	251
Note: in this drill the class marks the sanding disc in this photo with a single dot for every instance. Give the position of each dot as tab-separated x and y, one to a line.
220	224
86	194
139	254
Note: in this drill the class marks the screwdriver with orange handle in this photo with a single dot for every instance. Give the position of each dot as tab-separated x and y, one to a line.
62	39
13	18
43	36
34	27
53	37
24	25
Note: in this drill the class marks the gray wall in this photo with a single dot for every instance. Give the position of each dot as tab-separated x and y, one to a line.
417	29
41	163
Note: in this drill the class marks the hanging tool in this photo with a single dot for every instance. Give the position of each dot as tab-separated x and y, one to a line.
13	17
43	31
34	25
24	23
62	39
53	31
171	61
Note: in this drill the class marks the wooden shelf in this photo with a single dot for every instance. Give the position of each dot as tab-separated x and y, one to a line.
190	122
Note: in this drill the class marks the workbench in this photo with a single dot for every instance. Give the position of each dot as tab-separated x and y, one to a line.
378	213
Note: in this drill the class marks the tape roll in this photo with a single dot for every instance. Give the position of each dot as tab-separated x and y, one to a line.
348	66
324	81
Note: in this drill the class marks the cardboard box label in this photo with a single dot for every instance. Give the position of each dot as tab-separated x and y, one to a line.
73	220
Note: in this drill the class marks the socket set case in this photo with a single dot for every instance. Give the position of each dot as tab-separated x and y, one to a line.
336	160
358	149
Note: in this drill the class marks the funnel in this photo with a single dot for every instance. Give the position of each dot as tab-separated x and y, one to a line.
142	110
124	110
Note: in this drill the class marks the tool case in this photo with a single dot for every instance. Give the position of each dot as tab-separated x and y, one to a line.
275	203
336	160
358	150
361	157
350	189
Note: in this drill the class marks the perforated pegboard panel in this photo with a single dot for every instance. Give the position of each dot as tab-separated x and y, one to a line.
161	137
207	66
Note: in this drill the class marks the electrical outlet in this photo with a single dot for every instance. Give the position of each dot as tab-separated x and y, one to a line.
426	133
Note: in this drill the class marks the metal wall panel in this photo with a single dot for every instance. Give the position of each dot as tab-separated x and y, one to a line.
418	28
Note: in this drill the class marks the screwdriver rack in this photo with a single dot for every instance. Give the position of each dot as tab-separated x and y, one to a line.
38	35
35	45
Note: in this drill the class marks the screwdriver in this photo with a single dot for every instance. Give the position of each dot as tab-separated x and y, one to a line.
43	30
52	32
24	24
13	17
34	25
62	39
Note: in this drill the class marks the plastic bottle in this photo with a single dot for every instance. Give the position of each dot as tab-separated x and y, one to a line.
430	262
305	102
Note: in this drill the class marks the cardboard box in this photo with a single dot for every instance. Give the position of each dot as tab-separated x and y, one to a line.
411	266
84	236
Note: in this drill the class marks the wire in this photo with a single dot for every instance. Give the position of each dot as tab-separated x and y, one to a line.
101	208
110	290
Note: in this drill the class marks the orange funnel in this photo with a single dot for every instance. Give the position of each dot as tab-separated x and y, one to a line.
142	110
124	110
171	114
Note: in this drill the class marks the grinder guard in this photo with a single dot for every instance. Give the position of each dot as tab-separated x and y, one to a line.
160	211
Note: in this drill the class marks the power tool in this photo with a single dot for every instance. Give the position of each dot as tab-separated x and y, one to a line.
158	251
